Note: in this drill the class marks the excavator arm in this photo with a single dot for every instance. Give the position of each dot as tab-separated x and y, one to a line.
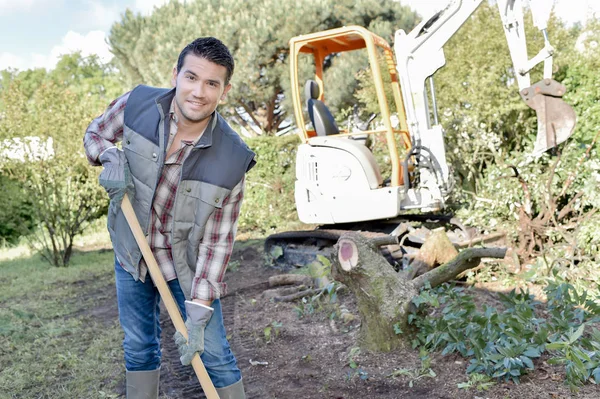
420	54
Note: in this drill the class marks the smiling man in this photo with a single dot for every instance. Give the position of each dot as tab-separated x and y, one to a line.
183	168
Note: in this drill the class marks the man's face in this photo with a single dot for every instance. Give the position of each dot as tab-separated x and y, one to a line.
199	86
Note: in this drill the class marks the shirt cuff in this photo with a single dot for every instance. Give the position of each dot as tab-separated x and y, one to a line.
108	156
207	290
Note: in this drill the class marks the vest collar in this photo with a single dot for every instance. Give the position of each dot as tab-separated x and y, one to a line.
206	139
164	101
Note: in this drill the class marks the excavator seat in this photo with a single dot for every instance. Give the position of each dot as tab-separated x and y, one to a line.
319	114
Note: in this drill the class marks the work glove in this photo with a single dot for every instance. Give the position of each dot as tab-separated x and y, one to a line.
198	317
116	177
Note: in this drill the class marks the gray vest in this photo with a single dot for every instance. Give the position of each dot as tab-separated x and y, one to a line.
214	166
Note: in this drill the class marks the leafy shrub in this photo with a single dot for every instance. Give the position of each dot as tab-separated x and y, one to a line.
549	208
504	344
59	183
16	211
269	197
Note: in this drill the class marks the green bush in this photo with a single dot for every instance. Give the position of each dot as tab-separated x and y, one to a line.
16	211
269	197
506	343
61	185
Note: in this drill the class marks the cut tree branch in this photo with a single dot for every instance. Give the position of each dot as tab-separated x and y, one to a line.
467	259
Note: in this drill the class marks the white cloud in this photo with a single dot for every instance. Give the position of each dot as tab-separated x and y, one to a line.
147	6
7	6
92	43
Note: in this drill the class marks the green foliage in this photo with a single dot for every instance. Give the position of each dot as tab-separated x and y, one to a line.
269	196
580	77
504	344
30	80
47	126
15	212
565	188
86	76
325	300
272	331
479	104
353	363
353	357
425	371
480	381
257	32
548	210
366	94
304	308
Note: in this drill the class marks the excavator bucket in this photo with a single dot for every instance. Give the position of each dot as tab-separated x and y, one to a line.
555	118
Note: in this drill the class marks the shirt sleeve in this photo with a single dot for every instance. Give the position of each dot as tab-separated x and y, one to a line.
216	247
106	130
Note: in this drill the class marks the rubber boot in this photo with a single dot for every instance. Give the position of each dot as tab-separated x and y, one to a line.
142	384
233	391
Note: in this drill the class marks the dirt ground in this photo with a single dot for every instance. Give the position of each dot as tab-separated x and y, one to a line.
308	357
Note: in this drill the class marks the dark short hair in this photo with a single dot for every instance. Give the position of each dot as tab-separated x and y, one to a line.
211	49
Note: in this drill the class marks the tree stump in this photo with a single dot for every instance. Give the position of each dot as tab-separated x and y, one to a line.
384	295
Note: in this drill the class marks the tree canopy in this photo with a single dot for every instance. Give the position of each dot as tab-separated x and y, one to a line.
256	31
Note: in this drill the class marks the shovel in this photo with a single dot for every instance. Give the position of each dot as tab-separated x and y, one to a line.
555	118
165	294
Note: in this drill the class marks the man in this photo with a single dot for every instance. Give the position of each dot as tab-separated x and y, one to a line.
183	168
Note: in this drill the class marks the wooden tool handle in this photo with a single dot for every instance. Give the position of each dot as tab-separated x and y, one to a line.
165	294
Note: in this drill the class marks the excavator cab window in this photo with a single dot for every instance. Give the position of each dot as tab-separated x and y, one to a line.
350	58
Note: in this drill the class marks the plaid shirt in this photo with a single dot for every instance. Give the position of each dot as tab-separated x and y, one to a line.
219	234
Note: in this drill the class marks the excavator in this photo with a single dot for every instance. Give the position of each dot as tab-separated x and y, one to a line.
339	185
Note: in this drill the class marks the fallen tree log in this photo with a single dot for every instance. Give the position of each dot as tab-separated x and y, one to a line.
383	295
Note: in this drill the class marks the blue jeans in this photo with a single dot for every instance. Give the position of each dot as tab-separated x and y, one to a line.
139	317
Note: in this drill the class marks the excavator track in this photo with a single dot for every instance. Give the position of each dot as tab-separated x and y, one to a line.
300	248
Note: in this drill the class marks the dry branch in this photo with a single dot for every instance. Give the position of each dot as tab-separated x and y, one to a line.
298	295
282	291
289	279
465	260
481	240
383	240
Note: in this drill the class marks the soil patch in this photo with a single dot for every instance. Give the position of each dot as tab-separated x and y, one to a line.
308	357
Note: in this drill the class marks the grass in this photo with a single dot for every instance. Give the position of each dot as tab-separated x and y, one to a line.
51	344
54	341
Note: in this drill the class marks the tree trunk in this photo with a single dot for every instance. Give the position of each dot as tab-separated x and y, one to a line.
384	295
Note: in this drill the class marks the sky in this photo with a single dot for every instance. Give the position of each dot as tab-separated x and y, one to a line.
35	33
